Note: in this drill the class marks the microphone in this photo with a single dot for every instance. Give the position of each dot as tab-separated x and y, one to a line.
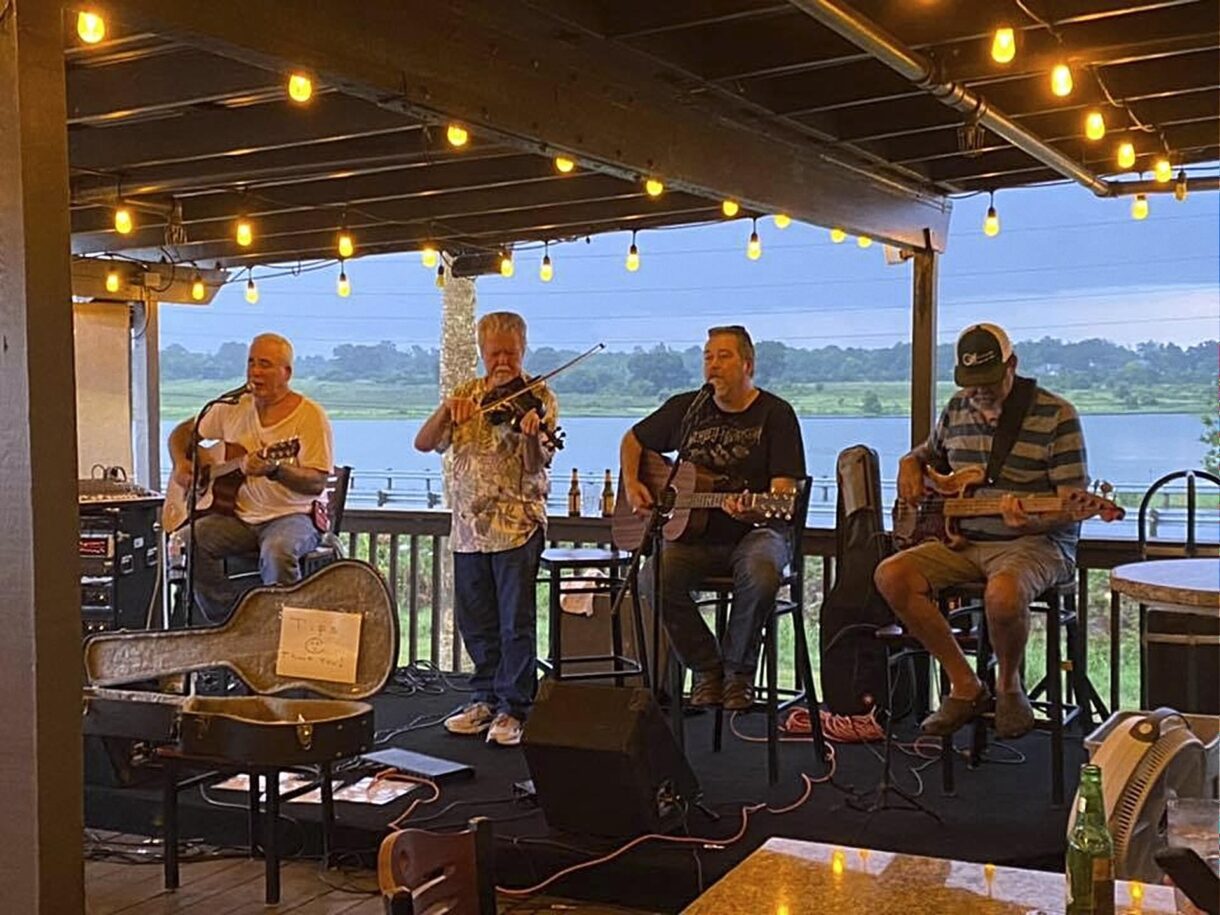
234	395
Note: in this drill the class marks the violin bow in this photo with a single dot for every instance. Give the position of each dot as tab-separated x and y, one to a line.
541	379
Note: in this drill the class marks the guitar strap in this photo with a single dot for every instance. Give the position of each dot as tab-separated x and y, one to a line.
1016	405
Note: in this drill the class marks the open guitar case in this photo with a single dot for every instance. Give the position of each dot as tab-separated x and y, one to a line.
263	729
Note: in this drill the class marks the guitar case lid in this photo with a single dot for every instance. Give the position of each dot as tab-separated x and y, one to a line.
248	643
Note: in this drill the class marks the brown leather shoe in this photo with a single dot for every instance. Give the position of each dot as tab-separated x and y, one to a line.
1014	716
707	688
738	693
954	712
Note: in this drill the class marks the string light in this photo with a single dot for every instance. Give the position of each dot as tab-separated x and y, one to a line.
633	256
991	225
564	165
1139	207
90	27
653	187
506	264
782	220
300	87
343	285
244	233
429	256
729	208
198	291
112	281
754	246
457	135
1094	125
251	291
1126	154
440	276
863	241
1004	45
838	236
345	244
546	272
1163	170
1061	80
1179	187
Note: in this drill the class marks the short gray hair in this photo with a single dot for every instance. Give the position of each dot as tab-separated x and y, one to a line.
284	344
501	322
745	346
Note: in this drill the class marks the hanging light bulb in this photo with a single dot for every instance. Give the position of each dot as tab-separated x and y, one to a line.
546	272
506	264
300	87
1139	207
112	281
123	223
457	135
251	291
440	276
1061	80
782	220
1126	154
428	256
1094	125
90	27
1003	45
991	225
245	233
1179	187
729	208
653	187
345	244
198	291
343	285
564	165
863	241
838	236
1163	170
754	245
633	256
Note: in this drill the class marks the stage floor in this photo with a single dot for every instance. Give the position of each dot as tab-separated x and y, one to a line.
1001	812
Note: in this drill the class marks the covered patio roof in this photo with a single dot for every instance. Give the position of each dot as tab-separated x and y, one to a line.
810	108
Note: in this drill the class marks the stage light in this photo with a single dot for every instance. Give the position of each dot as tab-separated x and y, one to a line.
90	27
123	223
300	87
1004	45
1061	80
457	135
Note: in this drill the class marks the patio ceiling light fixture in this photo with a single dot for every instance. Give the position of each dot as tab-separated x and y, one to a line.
729	208
654	187
1179	187
112	280
782	220
838	236
244	232
633	255
1126	154
90	26
428	256
440	276
198	290
1163	170
1094	125
564	165
1139	207
506	264
343	286
1061	80
457	135
991	225
251	290
546	272
123	223
863	241
300	87
1004	45
345	244
754	245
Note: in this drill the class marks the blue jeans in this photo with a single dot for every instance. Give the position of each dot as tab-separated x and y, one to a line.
496	605
279	545
755	562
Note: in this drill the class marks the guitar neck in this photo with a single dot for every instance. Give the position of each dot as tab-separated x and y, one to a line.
971	508
702	499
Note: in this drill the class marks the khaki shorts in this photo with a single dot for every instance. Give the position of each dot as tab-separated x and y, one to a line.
1034	561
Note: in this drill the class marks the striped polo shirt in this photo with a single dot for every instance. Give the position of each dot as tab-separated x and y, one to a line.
1049	452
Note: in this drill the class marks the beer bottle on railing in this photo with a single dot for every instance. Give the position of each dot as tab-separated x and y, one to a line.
574	499
1090	851
607	496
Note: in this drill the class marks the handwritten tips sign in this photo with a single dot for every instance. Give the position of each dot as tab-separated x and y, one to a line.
318	644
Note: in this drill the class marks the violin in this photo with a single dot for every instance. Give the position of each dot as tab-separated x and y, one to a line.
511	401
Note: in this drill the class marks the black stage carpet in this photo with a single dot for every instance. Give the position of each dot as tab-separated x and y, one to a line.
1001	813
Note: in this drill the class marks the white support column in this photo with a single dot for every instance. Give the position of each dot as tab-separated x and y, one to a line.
146	393
923	345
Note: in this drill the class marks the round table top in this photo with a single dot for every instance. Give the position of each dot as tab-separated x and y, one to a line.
1182	582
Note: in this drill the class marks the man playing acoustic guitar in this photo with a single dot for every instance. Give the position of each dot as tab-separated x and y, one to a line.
272	516
751	440
1018	555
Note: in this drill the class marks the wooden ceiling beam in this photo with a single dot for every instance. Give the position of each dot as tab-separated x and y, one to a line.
505	71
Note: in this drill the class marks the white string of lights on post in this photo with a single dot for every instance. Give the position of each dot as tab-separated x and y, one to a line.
91	28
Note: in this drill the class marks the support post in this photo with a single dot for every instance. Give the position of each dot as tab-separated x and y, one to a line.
923	345
41	869
146	393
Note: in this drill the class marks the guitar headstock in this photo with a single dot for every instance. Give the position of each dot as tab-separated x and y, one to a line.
1083	504
774	504
283	450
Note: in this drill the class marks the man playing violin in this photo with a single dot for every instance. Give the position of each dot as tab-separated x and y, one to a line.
751	440
273	520
1017	555
500	483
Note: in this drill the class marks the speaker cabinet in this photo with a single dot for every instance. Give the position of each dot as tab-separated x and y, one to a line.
604	762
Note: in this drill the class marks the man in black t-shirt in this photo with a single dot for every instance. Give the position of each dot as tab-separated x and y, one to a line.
750	440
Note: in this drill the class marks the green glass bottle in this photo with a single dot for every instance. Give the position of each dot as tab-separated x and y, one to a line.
1090	851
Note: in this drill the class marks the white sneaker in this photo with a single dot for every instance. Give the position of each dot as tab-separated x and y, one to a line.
473	719
505	730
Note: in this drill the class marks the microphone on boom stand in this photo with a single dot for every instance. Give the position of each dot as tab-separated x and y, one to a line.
234	395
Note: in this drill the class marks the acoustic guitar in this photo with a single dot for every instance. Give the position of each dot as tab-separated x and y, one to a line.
693	500
220	478
950	497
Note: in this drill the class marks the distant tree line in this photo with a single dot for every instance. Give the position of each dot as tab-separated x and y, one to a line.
1083	364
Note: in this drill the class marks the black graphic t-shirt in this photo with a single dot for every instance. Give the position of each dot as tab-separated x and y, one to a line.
745	450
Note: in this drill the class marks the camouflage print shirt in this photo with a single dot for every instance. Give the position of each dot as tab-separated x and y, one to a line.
497	505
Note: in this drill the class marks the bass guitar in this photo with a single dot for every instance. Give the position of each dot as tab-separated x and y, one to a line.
950	498
693	498
220	478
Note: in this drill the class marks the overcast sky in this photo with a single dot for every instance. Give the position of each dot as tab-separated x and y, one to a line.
1066	264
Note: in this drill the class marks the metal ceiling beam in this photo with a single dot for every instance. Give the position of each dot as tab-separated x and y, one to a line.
505	72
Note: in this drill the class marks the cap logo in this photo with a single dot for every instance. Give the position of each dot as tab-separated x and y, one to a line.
970	360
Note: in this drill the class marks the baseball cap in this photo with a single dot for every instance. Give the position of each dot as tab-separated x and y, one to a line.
982	352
